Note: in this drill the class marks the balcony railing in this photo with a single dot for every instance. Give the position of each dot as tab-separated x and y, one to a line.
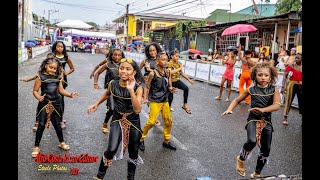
120	31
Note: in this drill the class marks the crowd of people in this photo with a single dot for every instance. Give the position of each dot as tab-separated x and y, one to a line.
154	81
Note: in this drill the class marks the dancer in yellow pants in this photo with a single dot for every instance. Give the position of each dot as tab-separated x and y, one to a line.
156	91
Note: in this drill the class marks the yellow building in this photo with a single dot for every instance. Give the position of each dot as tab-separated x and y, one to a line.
139	23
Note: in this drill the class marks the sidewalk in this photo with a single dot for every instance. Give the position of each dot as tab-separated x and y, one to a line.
36	51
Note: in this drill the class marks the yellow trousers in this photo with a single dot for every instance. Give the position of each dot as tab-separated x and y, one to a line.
155	109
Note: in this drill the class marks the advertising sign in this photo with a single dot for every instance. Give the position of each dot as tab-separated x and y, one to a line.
190	68
203	71
216	73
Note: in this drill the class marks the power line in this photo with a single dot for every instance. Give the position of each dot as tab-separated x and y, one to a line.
174	6
81	6
163	5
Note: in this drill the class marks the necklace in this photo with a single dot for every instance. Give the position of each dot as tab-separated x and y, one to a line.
123	85
260	86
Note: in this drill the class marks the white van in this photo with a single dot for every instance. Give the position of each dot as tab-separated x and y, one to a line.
67	41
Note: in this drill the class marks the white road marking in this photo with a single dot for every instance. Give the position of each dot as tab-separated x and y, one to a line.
175	140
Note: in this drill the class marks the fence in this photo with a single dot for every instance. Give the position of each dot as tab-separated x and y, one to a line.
210	73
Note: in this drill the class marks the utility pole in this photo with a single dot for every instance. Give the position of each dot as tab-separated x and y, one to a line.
49	19
127	16
22	24
230	12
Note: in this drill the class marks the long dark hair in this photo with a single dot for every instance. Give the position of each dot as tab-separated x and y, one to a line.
172	53
42	68
64	52
111	53
138	76
158	49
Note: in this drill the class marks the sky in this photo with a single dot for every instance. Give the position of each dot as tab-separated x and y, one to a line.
105	11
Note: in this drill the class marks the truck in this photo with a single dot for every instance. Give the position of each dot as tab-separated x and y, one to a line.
67	41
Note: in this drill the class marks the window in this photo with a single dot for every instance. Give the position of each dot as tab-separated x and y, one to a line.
160	25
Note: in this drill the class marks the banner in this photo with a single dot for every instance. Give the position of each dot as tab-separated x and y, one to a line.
183	62
216	73
203	71
235	81
190	68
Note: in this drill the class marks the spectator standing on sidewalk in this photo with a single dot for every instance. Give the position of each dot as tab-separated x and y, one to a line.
291	86
228	74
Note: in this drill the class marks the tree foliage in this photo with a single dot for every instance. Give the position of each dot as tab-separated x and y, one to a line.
184	26
96	26
285	6
35	17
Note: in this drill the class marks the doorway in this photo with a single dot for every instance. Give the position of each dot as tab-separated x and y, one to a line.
243	40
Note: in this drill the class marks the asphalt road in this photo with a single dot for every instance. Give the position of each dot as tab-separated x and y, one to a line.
207	144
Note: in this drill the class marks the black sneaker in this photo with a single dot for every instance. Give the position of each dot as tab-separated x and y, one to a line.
141	145
170	145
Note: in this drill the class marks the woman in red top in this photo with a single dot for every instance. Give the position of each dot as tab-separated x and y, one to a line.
228	74
292	87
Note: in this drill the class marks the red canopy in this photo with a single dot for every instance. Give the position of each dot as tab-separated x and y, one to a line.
194	51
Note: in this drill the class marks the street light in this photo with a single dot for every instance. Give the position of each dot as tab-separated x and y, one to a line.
127	12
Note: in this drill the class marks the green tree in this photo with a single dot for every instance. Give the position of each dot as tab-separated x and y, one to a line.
285	6
96	26
183	27
35	17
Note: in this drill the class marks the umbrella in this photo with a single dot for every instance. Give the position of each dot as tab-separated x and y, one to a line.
231	48
131	45
239	28
194	51
137	42
184	53
298	30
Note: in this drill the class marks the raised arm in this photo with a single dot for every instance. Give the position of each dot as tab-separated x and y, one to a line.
186	77
236	101
65	92
36	87
29	79
71	67
147	86
105	95
142	63
96	76
97	66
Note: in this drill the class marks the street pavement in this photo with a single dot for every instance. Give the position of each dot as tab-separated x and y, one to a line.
207	144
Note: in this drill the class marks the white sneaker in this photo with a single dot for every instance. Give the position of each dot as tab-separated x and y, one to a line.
227	100
217	98
171	109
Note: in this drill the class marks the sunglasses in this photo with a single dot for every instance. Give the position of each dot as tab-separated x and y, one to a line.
126	60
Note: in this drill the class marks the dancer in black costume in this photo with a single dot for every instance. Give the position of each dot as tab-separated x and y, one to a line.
265	98
59	48
112	72
125	124
49	108
35	126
